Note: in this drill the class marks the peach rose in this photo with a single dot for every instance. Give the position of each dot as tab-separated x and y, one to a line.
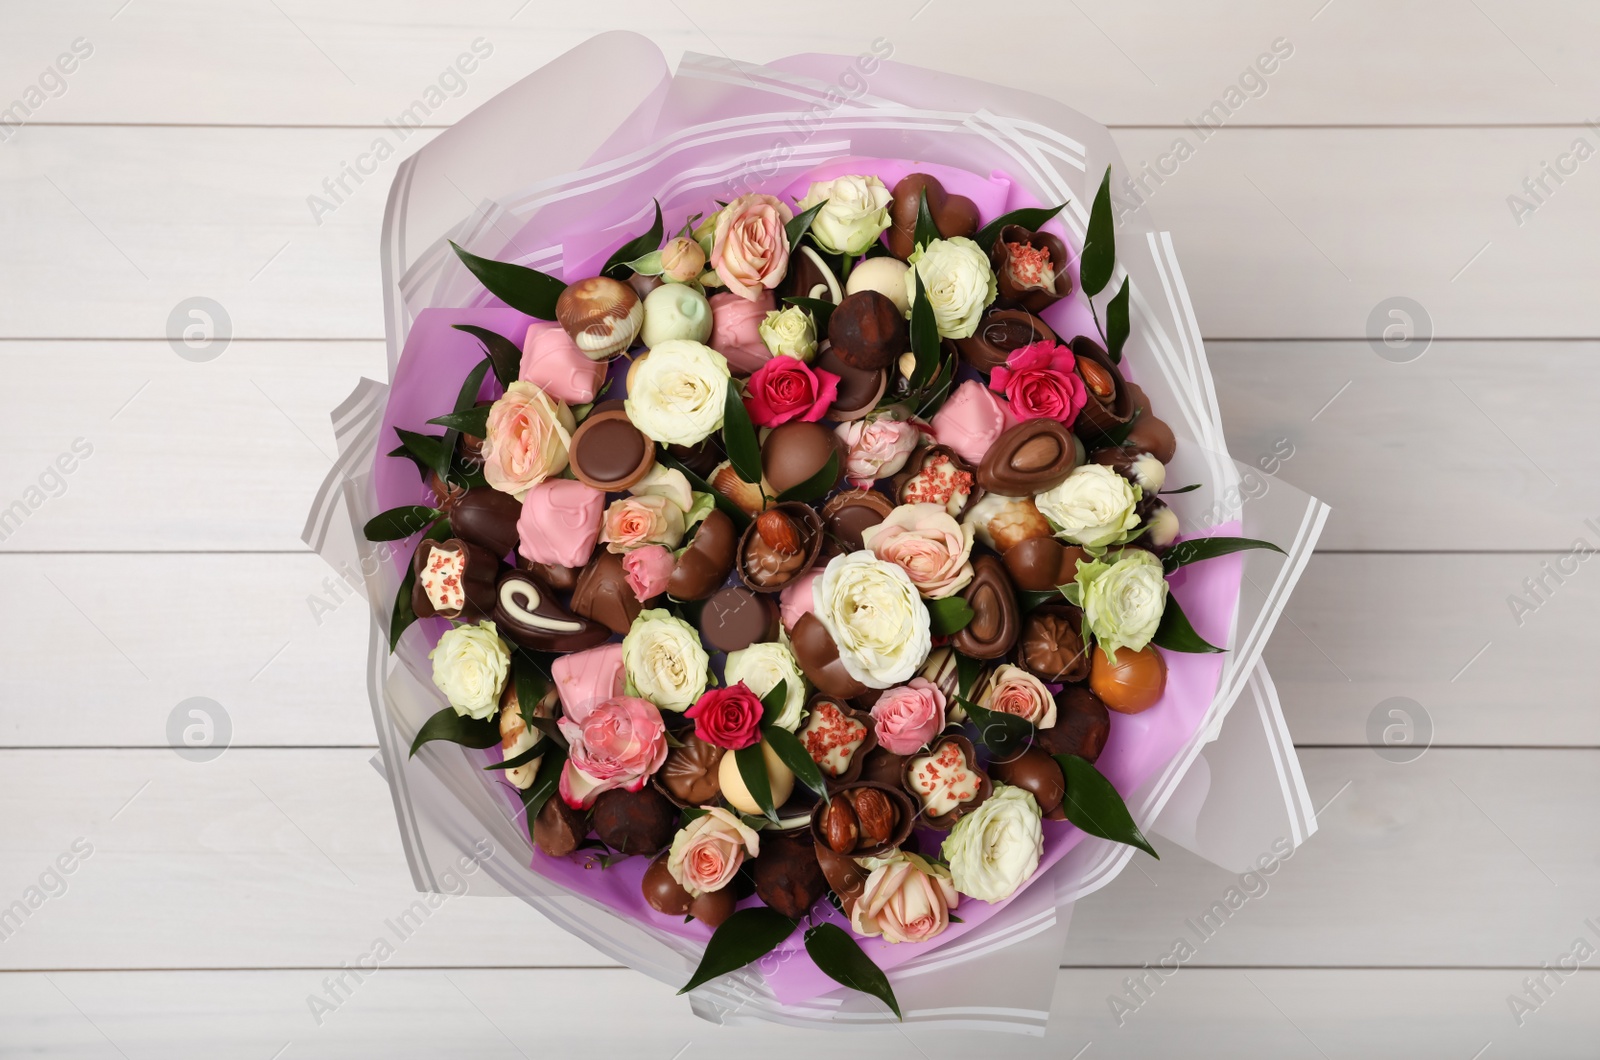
634	522
1013	690
709	850
527	439
906	899
904	719
750	249
876	448
928	544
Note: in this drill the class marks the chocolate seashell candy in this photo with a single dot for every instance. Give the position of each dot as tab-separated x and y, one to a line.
1034	456
689	777
602	315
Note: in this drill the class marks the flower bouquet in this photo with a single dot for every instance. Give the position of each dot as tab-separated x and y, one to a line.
799	535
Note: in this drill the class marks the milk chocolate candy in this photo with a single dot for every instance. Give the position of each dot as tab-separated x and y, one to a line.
1030	268
736	618
609	453
953	215
860	389
526	612
818	655
1034	456
1149	432
936	475
847	515
1051	647
689	777
713	907
454	579
707	562
1000	332
780	545
1082	725
1110	401
601	314
995	621
665	894
794	452
1128	681
845	878
1040	564
487	517
1038	774
603	594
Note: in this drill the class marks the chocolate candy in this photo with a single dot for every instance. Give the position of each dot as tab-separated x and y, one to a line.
867	331
780	781
848	514
736	618
885	275
859	389
526	612
561	579
995	623
818	656
700	458
1040	564
1139	467
947	782
794	452
602	315
706	563
1038	774
634	822
1150	433
751	498
882	766
1051	647
953	215
863	819
810	276
454	579
487	517
689	775
1110	402
779	546
609	453
1130	681
1030	268
665	894
845	878
1000	332
1082	724
1034	456
559	828
1002	522
1161	525
936	475
603	593
786	873
837	738
713	907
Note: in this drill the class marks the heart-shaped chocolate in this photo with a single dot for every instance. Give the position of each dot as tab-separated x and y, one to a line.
953	215
995	625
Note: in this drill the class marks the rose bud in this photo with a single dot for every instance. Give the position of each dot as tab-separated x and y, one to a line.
682	260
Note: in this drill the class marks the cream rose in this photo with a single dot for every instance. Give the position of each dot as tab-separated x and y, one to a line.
1013	690
856	213
875	616
789	332
761	666
994	849
707	851
634	522
527	439
906	899
470	664
957	280
1123	599
928	544
662	660
676	392
1094	507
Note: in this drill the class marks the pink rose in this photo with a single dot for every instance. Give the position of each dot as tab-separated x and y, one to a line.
618	745
1013	690
727	717
1041	382
648	570
634	522
906	899
707	851
906	718
750	249
971	420
926	542
735	330
553	362
877	448
786	388
527	439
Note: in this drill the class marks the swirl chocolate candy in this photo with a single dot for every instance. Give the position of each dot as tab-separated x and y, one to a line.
1034	456
1000	332
526	612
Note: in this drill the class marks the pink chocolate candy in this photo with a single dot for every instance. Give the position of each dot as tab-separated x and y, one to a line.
971	420
734	330
553	362
560	522
795	599
587	678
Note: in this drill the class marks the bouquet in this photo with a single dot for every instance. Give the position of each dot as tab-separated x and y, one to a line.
804	560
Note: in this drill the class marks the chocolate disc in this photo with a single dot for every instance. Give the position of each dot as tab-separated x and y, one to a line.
848	514
609	453
995	622
527	612
736	618
1034	456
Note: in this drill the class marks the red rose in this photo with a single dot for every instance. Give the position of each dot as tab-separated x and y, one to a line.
787	388
728	717
1041	382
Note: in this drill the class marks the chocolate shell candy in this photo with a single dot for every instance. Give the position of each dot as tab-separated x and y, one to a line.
689	775
794	452
664	894
602	315
847	515
1035	772
609	453
1030	268
705	564
603	594
1082	725
1034	456
995	621
837	737
818	656
882	819
867	331
1051	647
736	618
1040	564
937	475
456	574
953	215
845	878
634	822
1001	332
946	781
487	517
559	828
1110	401
527	612
786	873
1129	682
780	545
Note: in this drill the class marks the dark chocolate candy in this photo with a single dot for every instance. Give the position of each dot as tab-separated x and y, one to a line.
713	907
1034	456
845	878
603	593
867	331
1000	332
848	514
526	612
1051	647
708	560
818	656
786	873
953	215
634	822
609	453
736	618
995	622
1018	279
461	574
780	545
1082	725
559	828
808	271
859	389
487	517
702	459
561	579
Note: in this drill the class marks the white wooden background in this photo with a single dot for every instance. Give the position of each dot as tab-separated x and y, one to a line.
177	163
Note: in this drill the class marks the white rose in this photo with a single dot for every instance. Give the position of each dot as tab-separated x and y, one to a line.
761	667
1123	600
1094	507
876	618
957	280
662	660
994	849
676	392
856	214
470	664
789	333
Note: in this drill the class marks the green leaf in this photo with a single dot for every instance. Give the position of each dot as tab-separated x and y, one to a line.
926	231
924	335
540	746
1095	806
616	265
505	355
1180	489
724	505
744	451
821	311
531	686
793	754
544	785
473	421
468	732
402	615
801	224
401	522
949	615
753	771
841	958
1099	245
1176	634
1028	599
967	670
817	486
1004	734
428	449
1029	217
1117	327
938	389
1187	552
747	935
772	703
523	289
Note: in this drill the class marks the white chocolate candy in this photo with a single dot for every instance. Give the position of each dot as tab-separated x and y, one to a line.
441	579
831	737
675	311
779	778
885	275
942	780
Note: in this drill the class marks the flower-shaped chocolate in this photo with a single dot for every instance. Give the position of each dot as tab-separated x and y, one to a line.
947	781
837	737
1030	268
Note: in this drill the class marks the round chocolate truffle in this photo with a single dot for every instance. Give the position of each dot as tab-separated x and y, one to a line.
868	331
736	618
1082	725
665	894
1035	772
786	873
634	822
796	451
